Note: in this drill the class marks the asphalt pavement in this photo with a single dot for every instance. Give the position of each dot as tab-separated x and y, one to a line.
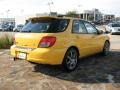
93	73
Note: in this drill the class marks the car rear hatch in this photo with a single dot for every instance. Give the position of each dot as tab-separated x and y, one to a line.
36	28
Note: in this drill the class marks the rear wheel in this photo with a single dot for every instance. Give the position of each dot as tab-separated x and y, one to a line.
71	59
106	48
14	58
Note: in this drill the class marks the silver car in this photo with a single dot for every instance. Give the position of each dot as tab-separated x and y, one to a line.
114	28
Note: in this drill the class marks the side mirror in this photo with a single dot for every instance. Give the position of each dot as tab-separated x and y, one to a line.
100	32
107	32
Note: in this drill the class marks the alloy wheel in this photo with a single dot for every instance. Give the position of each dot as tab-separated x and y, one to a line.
106	48
71	59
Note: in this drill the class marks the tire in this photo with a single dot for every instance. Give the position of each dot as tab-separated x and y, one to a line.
14	58
106	49
32	62
70	60
112	33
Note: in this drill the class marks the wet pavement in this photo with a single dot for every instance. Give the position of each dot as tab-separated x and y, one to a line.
93	73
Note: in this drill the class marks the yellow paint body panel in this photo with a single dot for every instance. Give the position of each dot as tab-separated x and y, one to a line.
87	44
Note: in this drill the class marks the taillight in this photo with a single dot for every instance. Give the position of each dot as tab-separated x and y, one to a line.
47	41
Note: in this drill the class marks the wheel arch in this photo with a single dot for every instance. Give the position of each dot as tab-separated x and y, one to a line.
104	52
107	41
64	61
74	48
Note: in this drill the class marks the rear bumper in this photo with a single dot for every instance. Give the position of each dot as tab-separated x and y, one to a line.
41	55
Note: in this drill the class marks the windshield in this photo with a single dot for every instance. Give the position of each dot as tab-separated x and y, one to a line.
45	25
116	25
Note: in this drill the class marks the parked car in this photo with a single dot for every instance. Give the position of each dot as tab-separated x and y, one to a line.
8	28
0	29
18	28
58	40
114	28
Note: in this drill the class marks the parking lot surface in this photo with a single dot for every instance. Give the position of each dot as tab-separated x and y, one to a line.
93	73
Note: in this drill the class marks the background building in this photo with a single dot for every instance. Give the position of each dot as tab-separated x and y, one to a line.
91	15
109	18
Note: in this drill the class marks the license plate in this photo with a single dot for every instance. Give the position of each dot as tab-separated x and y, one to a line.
22	55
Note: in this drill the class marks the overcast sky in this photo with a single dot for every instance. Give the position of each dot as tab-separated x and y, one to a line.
18	7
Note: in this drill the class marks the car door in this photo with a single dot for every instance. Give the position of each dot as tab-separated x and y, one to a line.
95	40
81	38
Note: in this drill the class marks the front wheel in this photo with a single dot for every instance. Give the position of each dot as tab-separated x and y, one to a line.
71	59
106	48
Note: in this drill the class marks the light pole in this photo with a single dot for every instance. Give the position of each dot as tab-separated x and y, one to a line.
49	4
78	10
94	15
103	16
7	12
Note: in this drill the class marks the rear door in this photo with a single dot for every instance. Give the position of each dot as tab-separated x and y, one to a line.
82	39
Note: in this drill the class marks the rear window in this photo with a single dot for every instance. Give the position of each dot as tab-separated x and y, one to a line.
45	25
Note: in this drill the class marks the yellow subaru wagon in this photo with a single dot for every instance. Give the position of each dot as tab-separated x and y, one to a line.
58	40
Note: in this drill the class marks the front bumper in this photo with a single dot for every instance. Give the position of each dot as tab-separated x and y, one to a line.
115	33
40	55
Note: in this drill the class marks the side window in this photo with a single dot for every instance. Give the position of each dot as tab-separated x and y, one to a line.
78	27
62	25
82	28
75	28
90	28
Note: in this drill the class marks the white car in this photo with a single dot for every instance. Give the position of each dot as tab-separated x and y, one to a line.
114	28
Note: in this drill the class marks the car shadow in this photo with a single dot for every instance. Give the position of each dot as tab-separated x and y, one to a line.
93	69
